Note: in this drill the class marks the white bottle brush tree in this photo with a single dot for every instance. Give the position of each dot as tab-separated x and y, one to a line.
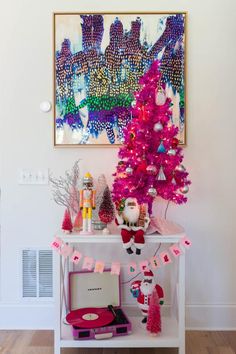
101	186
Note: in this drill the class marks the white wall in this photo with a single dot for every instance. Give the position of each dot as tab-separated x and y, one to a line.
28	215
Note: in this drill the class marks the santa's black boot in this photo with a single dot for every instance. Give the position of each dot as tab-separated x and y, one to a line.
144	320
129	250
138	251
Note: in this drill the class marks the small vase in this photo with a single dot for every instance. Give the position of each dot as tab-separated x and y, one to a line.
98	225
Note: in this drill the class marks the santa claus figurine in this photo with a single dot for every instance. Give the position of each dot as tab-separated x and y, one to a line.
143	289
133	221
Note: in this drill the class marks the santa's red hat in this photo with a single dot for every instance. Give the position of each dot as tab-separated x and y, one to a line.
148	274
135	285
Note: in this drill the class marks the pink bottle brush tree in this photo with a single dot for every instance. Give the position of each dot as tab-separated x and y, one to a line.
106	211
67	226
150	162
154	315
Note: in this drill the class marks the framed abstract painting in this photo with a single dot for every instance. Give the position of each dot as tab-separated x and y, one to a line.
98	61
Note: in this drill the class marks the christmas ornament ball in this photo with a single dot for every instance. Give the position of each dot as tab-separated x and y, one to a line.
151	170
184	189
157	127
132	135
180	168
152	192
171	152
175	142
142	166
129	170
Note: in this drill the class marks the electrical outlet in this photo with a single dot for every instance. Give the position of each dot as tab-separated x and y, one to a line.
32	176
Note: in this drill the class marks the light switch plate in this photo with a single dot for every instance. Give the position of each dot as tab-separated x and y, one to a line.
32	176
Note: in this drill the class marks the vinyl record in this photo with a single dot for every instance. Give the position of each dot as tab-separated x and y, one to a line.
90	317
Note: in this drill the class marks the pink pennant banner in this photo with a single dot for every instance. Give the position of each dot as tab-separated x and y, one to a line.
132	268
66	251
186	242
143	265
155	263
99	267
57	243
165	257
115	268
176	250
88	263
76	257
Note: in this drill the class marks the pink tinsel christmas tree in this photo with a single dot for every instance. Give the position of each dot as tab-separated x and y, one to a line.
150	159
67	223
154	315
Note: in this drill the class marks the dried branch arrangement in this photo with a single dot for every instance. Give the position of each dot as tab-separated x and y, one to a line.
65	190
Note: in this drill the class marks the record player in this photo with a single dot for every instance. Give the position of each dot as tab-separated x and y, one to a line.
94	304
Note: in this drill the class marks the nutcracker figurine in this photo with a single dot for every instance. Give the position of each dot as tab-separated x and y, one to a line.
87	203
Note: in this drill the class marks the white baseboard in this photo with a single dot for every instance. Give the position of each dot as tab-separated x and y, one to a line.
27	316
31	316
211	317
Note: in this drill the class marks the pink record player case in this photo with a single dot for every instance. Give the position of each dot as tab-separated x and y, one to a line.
95	306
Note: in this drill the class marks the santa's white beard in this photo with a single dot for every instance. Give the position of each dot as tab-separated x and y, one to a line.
147	288
131	214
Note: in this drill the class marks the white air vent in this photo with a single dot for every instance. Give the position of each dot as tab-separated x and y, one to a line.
45	273
37	273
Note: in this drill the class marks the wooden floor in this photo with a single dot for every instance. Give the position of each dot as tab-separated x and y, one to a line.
41	342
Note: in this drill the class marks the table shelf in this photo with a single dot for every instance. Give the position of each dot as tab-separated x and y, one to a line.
116	238
139	338
173	328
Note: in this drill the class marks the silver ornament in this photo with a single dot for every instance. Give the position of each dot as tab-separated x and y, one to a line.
160	97
173	181
133	104
171	152
161	175
152	192
129	170
151	170
157	127
180	168
184	189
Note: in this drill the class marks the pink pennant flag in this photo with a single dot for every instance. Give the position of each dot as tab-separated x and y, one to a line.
155	263
88	263
115	268
66	251
57	243
143	265
186	242
99	267
132	268
165	257
176	250
76	257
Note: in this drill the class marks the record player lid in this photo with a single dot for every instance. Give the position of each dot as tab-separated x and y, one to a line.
89	289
